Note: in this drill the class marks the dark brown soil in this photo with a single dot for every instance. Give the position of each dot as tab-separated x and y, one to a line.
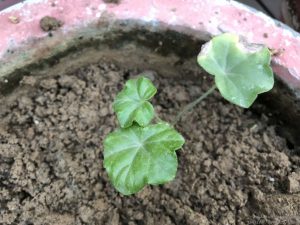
49	23
233	169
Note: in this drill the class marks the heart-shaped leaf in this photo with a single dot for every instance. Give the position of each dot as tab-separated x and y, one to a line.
132	103
136	156
241	70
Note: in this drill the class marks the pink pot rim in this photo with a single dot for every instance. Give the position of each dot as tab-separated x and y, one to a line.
21	42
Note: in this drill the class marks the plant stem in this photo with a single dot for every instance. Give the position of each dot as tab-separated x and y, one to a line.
193	104
157	118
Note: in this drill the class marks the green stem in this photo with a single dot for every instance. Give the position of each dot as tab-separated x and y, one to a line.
193	104
157	118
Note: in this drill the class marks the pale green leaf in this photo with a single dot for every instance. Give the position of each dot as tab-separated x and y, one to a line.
137	156
132	103
241	70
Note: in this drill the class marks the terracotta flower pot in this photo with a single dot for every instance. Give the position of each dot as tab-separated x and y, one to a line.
51	38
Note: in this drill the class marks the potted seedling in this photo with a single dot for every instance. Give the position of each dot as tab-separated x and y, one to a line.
142	152
83	140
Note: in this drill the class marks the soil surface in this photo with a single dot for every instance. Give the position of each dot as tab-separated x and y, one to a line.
233	169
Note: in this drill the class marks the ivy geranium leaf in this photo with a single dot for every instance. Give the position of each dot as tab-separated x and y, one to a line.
137	156
132	103
241	70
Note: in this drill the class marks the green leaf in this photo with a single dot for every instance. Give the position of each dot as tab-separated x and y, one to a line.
132	103
136	156
241	70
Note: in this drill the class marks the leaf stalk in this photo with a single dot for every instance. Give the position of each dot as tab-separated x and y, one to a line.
191	105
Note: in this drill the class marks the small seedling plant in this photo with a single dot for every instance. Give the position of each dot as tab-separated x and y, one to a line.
143	152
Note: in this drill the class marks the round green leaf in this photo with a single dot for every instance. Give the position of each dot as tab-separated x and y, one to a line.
241	70
132	103
137	156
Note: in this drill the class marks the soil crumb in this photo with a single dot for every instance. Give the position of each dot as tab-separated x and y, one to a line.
49	23
233	169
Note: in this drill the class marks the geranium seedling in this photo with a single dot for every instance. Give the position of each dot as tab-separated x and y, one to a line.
141	152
